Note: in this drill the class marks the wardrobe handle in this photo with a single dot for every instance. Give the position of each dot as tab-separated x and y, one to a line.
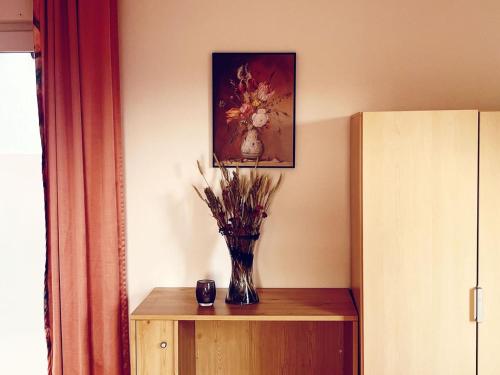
478	304
163	344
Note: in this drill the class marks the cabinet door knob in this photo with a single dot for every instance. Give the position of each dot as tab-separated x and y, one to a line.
163	344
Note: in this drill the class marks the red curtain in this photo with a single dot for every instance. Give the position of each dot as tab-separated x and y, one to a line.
86	318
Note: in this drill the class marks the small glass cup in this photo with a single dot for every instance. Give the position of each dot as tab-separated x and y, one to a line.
205	292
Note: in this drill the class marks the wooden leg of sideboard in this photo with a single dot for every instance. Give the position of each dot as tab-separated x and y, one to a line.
133	360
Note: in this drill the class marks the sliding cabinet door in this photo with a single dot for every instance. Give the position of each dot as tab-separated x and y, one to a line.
419	242
489	243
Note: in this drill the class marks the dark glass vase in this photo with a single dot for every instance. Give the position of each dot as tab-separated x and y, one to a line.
241	289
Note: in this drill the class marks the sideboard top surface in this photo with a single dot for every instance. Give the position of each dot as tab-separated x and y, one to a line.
278	304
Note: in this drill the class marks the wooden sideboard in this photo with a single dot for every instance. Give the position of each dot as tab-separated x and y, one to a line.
291	331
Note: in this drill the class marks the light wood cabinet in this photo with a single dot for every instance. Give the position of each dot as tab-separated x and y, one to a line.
291	331
489	243
154	347
414	240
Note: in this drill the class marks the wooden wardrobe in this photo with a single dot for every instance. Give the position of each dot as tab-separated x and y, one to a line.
418	182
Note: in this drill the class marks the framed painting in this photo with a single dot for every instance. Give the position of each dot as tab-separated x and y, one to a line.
254	109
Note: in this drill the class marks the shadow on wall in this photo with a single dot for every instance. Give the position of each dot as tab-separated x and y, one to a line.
289	253
194	233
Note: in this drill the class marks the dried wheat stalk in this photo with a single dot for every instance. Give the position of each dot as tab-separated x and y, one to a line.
242	204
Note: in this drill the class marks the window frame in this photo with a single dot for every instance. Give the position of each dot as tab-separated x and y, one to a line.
16	36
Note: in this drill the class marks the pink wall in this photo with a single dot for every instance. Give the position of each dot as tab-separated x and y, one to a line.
15	25
351	56
16	11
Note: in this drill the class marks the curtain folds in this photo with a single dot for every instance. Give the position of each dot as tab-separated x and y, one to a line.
86	313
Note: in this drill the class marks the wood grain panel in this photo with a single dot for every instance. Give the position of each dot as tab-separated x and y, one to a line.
133	353
186	353
489	243
419	242
291	348
223	348
354	337
280	304
152	359
356	169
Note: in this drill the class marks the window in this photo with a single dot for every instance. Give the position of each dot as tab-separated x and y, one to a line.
22	226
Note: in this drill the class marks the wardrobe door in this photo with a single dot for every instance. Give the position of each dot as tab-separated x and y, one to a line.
419	242
489	243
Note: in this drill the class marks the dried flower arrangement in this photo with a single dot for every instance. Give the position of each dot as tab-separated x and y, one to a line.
253	103
252	107
239	210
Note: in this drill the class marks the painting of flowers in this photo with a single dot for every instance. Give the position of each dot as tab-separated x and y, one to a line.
254	109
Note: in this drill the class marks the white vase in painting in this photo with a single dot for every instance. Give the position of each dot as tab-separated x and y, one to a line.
251	147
